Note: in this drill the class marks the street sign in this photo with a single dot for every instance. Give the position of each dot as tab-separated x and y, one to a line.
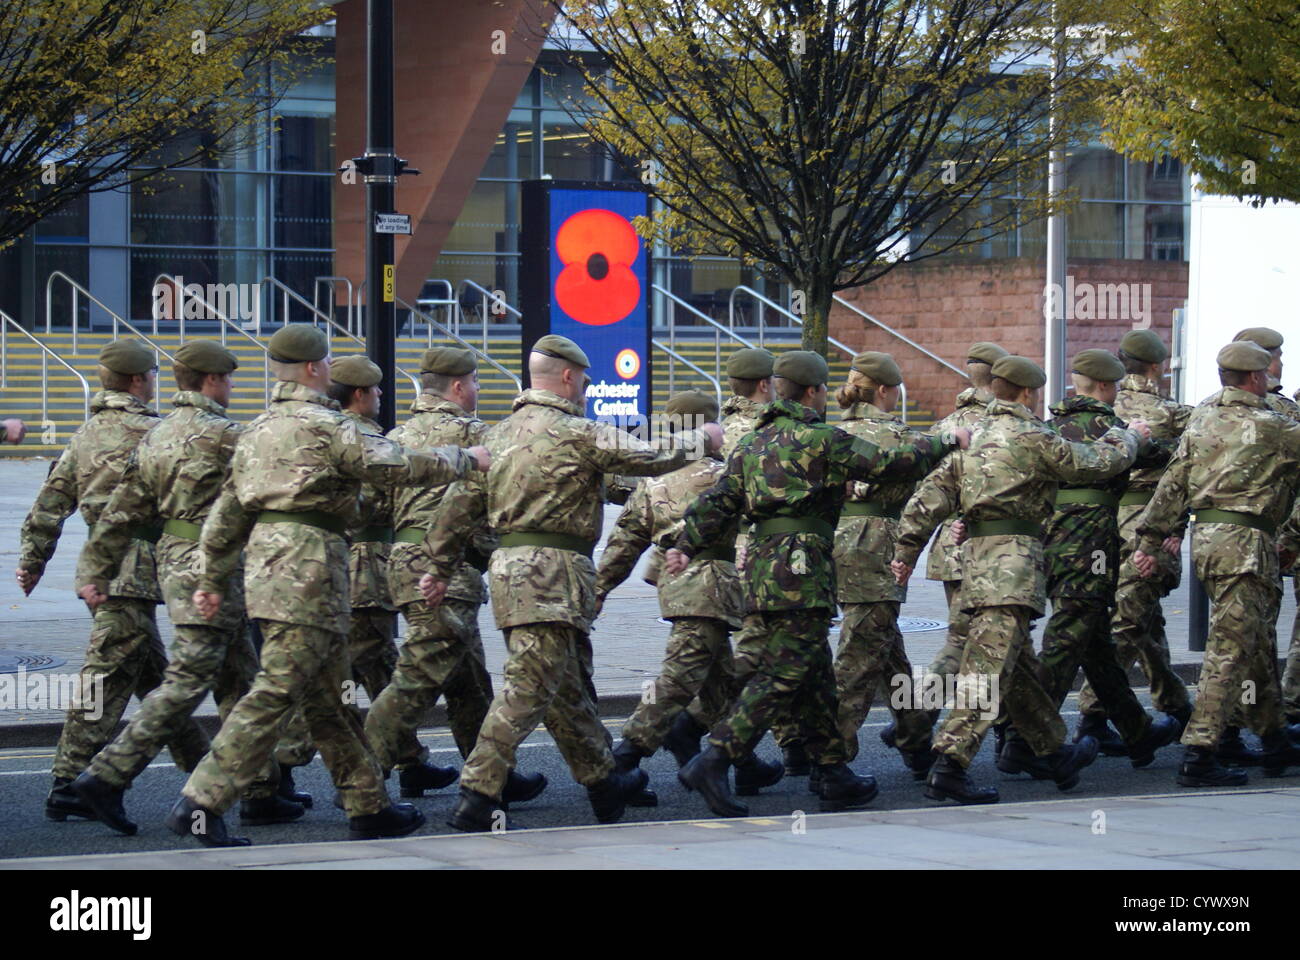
393	223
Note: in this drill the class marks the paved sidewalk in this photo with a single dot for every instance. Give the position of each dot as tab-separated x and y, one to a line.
1246	830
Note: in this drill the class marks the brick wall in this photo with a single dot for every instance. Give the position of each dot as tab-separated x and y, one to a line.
946	306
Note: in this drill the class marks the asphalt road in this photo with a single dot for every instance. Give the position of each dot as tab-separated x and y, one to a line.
24	781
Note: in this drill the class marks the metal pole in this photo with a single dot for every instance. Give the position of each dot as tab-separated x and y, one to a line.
1198	606
381	181
1054	306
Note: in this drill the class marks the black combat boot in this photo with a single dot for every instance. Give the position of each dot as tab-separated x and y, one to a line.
610	796
754	774
815	781
1183	716
889	736
106	801
918	761
842	789
419	777
1234	751
62	803
796	760
522	787
628	756
264	811
478	813
1067	760
1201	768
707	773
949	781
1096	725
1017	757
188	819
1000	733
1280	752
1163	731
396	820
288	791
683	740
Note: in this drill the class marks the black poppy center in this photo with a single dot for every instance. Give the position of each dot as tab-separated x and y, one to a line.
597	266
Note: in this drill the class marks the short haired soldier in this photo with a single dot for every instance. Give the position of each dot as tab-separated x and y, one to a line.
126	654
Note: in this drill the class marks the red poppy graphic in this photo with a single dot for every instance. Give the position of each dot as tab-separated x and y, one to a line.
597	286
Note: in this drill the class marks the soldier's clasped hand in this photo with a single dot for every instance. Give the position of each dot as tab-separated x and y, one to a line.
207	603
714	433
902	572
1140	427
1145	563
962	435
675	561
90	593
482	459
27	580
432	590
15	430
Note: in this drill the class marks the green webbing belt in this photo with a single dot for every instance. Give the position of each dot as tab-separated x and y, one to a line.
870	508
409	535
183	529
1136	498
1098	498
777	525
557	541
1210	515
375	535
151	534
1004	528
717	553
309	518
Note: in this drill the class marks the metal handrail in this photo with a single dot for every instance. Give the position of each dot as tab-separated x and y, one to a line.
731	316
238	328
78	289
6	322
487	295
717	386
907	340
330	282
718	329
464	343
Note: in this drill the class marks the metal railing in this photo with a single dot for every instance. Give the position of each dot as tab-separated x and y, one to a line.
486	296
481	354
333	295
6	322
79	291
719	331
225	321
907	340
674	355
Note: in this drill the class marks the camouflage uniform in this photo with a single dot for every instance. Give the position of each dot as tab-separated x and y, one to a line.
171	482
1138	626
1240	457
294	484
125	649
443	652
1005	488
871	652
1291	677
703	602
544	498
788	480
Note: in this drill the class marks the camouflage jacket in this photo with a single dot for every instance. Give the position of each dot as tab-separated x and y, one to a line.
368	556
865	545
1082	543
653	516
84	478
548	467
739	414
1236	455
303	455
435	422
945	556
795	466
1010	473
175	473
1279	402
1139	399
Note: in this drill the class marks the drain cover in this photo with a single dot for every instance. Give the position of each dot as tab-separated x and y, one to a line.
11	661
920	625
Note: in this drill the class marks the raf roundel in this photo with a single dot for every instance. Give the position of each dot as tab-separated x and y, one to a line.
597	286
627	364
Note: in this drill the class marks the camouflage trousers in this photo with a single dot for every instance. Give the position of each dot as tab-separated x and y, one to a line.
795	679
1239	675
999	647
301	666
697	663
1138	629
1291	677
442	656
372	654
202	659
746	654
547	680
947	661
871	656
1078	635
125	657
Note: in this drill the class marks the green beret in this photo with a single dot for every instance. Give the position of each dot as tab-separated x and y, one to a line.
750	363
127	357
1144	345
803	367
985	352
1244	355
207	356
1021	371
299	343
449	361
1266	337
1099	365
692	403
553	345
355	370
880	367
